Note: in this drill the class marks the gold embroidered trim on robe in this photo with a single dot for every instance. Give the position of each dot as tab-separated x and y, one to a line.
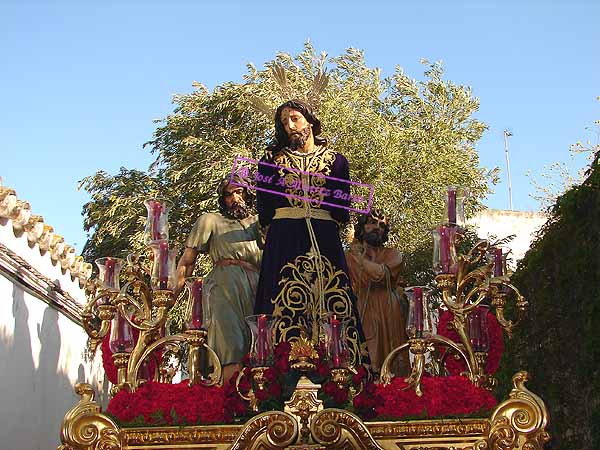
303	185
297	305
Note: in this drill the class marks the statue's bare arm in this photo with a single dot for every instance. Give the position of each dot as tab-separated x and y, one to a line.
185	267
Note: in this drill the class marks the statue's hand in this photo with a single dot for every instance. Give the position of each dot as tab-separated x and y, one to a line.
357	249
262	236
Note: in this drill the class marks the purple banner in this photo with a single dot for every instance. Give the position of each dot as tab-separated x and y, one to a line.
241	171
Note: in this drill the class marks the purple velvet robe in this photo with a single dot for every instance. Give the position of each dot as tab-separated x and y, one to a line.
288	273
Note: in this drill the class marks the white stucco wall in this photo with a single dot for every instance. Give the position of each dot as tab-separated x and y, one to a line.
41	352
502	223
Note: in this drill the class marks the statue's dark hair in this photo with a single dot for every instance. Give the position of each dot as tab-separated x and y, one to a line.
359	226
281	137
248	194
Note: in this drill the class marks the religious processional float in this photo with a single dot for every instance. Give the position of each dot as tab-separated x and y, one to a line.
304	394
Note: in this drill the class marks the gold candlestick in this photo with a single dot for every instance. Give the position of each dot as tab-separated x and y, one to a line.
121	360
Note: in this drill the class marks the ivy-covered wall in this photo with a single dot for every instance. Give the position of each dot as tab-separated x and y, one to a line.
559	341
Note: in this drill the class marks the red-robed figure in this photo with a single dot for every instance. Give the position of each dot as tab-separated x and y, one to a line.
304	276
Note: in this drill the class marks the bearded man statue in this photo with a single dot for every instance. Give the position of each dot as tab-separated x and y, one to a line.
302	200
230	238
376	274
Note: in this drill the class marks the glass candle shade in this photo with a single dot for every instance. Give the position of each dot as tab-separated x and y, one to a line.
121	335
419	322
444	249
498	256
478	329
198	314
164	265
145	371
157	222
261	350
336	343
108	272
455	198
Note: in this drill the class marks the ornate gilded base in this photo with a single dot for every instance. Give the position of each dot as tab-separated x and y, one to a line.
517	423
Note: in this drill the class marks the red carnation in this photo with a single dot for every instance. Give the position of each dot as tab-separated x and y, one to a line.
454	365
282	365
282	349
329	389
160	403
274	390
340	395
359	401
245	384
359	376
270	374
323	370
261	395
442	396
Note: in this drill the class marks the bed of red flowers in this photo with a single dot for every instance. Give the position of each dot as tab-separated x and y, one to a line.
496	342
179	404
451	396
169	404
282	379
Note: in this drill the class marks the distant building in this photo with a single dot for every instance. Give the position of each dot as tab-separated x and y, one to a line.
41	339
502	223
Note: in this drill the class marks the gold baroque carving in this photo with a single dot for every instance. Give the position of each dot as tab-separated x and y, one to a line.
339	429
210	434
519	422
480	445
85	427
304	404
269	430
452	427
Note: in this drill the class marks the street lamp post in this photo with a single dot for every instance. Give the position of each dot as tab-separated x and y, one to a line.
506	135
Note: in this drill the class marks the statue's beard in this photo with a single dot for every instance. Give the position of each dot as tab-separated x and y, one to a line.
237	211
373	238
298	139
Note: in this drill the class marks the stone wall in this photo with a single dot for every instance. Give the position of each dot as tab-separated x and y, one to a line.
502	223
41	340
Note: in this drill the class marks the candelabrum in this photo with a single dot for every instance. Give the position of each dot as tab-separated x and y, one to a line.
260	356
334	331
303	354
421	340
466	282
478	278
135	314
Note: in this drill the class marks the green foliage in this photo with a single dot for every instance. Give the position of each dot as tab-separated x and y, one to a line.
116	211
559	342
408	138
559	177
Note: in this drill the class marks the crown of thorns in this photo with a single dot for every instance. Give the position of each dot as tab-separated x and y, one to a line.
312	97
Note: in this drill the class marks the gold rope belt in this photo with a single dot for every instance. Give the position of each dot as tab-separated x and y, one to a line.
245	266
236	262
302	213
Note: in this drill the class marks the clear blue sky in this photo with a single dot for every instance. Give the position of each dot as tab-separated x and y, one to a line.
81	82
